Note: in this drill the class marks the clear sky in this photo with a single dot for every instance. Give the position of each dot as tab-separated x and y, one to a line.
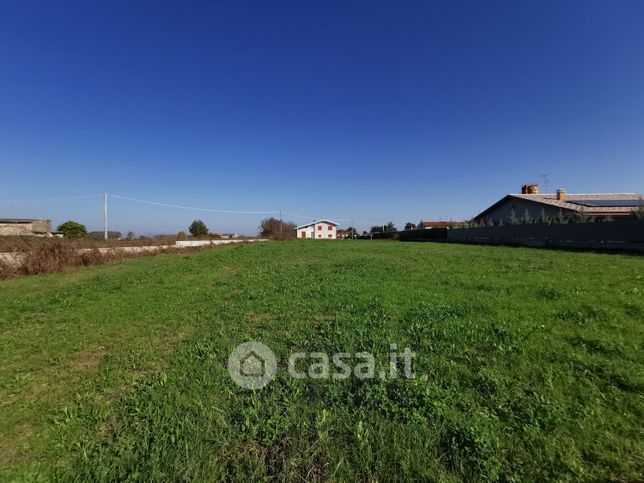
373	110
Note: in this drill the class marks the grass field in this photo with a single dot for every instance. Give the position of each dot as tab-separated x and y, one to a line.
529	365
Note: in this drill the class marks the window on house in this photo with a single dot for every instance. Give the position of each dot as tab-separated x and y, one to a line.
330	235
319	236
330	227
319	227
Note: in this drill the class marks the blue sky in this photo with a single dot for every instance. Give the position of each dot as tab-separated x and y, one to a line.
373	110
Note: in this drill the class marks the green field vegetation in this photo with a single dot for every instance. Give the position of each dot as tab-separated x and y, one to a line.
529	365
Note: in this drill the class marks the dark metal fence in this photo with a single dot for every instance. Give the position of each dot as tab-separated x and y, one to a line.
390	235
624	235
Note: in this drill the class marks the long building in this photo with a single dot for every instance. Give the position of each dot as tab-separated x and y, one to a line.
24	226
532	203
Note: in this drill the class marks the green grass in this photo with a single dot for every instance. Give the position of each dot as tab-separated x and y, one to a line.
529	365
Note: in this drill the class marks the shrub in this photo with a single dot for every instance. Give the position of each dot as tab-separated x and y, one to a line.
100	235
386	228
198	228
182	235
71	229
49	257
55	255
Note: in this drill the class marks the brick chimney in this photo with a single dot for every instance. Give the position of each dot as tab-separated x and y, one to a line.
561	194
530	189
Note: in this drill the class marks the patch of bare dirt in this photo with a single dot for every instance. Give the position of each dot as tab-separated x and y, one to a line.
12	447
257	318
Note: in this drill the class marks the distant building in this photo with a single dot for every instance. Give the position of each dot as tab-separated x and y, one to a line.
428	225
409	226
321	229
227	235
531	203
24	226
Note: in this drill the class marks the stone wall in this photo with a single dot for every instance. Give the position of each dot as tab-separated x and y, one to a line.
29	228
41	226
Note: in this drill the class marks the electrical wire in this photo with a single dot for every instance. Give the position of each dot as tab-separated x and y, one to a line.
169	205
53	199
209	210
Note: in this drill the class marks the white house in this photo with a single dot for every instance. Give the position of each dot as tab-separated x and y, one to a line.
320	229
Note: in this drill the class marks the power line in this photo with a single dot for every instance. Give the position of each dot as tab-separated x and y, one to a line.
53	199
377	223
301	216
210	210
169	205
184	207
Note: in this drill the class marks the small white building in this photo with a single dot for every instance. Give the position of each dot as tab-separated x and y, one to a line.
319	230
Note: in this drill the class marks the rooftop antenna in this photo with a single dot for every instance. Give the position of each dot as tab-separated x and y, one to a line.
546	182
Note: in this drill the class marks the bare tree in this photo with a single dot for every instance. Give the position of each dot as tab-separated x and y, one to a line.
276	230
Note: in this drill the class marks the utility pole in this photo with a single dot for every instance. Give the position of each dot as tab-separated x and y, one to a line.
280	223
105	215
353	229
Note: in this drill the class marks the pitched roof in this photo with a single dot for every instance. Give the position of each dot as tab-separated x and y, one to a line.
590	203
328	222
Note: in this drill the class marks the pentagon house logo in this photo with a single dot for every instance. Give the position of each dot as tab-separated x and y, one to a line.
252	365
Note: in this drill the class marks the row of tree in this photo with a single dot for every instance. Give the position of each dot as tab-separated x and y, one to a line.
527	219
72	229
197	229
386	228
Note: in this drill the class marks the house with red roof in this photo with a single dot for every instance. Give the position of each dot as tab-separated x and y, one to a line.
318	230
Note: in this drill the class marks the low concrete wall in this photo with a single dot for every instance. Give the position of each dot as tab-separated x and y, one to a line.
201	243
14	258
148	249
